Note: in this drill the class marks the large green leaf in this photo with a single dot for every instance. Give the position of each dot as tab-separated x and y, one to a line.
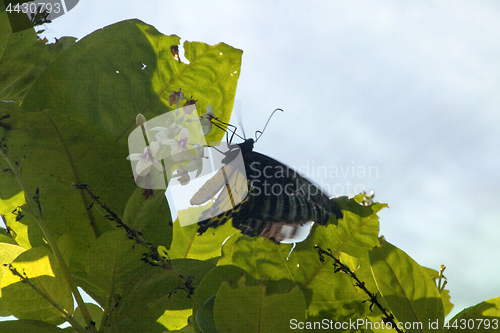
406	288
111	260
153	292
43	271
127	68
55	152
24	58
480	318
328	295
251	308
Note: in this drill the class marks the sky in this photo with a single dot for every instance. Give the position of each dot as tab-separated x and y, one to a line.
397	97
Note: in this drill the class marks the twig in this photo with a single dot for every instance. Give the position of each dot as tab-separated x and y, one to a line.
387	316
152	257
24	279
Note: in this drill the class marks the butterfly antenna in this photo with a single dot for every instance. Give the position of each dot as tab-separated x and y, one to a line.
258	134
226	127
239	116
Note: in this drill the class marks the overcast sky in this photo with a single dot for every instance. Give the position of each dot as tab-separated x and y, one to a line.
409	88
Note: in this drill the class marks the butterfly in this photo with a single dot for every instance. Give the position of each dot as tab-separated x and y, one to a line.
279	200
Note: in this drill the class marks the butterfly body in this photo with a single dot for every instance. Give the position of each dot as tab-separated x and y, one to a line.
277	197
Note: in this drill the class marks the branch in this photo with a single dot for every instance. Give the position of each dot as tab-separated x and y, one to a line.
153	256
387	316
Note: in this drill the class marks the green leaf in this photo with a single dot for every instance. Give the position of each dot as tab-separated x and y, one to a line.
356	232
258	256
43	271
248	308
408	291
210	285
205	316
328	295
8	253
482	317
175	319
447	305
6	237
186	243
153	291
10	186
139	309
65	245
23	228
24	58
95	313
55	152
149	215
111	260
212	281
31	326
127	68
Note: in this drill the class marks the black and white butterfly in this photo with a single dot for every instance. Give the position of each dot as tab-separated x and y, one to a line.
279	200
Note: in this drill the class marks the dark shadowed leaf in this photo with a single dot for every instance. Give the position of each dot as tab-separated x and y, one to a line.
242	307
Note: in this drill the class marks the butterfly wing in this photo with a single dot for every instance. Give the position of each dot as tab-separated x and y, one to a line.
278	199
231	186
285	195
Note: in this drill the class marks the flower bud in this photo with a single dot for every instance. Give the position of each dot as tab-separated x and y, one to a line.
140	119
175	97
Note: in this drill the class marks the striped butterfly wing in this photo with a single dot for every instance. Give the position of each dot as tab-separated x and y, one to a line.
278	197
228	185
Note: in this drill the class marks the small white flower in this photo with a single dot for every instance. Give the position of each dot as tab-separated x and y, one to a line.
179	146
146	159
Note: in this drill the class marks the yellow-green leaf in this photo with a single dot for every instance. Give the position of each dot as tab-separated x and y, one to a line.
43	271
